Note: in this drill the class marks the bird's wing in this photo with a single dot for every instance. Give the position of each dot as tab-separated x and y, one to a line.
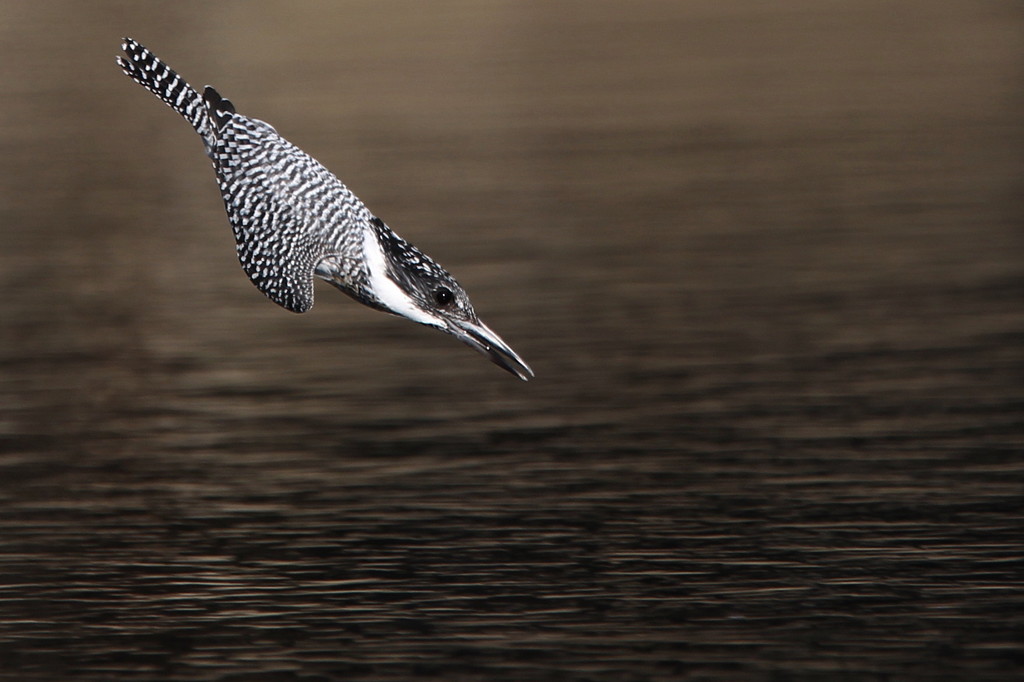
286	210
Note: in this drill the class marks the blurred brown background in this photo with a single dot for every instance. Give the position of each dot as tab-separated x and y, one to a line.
765	259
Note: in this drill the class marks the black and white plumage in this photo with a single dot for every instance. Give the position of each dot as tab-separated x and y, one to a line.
293	220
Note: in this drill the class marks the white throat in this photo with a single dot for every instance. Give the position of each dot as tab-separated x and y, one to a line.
385	289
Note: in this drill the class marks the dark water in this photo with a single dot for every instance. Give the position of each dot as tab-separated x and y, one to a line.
766	261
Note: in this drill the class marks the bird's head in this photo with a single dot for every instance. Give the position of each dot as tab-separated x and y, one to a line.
404	281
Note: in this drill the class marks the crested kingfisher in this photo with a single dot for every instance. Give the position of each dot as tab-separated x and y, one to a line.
293	220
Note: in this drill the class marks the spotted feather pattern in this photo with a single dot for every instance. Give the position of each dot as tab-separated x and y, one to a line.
143	67
288	213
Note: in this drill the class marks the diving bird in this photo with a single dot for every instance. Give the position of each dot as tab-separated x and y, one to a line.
293	220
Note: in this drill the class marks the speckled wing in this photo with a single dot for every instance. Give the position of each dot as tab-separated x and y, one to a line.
286	210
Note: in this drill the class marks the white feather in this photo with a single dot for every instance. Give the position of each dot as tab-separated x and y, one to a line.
385	289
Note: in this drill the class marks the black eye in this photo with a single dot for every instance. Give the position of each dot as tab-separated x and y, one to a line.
443	296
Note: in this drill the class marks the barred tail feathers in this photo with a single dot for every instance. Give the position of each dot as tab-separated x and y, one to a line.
146	69
220	107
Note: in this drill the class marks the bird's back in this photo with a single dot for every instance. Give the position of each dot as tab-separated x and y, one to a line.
286	210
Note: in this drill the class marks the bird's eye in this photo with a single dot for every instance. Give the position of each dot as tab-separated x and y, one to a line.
443	296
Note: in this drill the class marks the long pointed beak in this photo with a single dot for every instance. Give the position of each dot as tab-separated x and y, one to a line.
479	336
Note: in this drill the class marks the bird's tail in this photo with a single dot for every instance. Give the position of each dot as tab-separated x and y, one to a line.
146	69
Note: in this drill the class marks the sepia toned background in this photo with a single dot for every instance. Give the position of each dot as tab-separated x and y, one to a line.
766	260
